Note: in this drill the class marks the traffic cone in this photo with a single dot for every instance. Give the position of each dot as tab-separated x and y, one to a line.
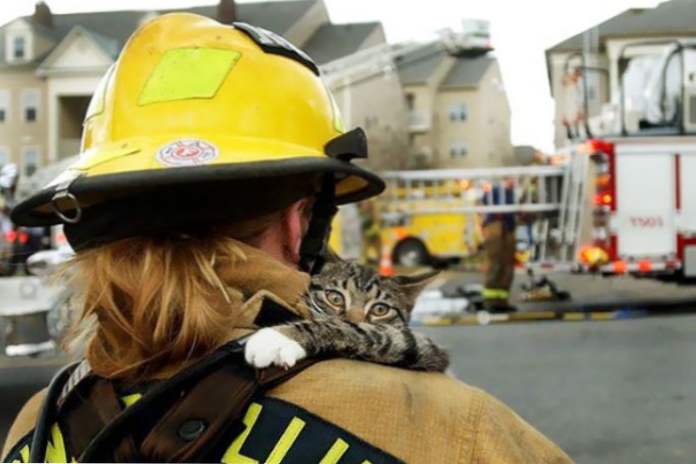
386	267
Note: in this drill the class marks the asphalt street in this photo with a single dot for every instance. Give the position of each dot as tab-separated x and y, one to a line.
607	392
587	290
615	392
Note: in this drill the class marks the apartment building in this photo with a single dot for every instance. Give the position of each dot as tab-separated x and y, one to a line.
358	68
50	64
458	111
593	63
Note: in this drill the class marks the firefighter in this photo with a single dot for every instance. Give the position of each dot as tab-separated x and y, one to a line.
370	231
8	186
212	161
8	182
500	246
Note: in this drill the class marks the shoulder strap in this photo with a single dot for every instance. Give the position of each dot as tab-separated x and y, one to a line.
186	416
47	414
87	411
211	412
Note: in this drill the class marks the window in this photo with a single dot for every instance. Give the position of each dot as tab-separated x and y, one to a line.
458	112
19	47
4	156
410	101
4	105
30	105
30	160
591	93
458	149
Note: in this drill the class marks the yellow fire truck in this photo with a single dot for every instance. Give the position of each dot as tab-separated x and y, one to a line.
416	224
437	213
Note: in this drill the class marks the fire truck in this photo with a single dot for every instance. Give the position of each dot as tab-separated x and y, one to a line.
430	216
641	199
624	199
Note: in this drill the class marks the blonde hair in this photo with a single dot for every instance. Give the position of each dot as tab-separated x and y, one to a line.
158	303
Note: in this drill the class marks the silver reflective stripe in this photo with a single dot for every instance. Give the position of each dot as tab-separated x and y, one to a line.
80	373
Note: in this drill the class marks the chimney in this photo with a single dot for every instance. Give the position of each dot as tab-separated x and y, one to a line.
42	14
226	11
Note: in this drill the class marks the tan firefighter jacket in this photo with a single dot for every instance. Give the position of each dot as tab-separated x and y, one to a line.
348	411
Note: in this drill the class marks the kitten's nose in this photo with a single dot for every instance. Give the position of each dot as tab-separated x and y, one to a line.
355	315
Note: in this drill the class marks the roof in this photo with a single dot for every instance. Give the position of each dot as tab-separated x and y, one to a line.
114	27
417	67
332	41
108	45
674	17
467	72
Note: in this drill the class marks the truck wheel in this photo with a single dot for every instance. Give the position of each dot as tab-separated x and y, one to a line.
411	252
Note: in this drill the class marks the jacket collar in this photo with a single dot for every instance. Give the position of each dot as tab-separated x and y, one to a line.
256	277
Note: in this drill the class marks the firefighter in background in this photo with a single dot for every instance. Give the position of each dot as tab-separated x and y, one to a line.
17	243
372	240
8	185
499	246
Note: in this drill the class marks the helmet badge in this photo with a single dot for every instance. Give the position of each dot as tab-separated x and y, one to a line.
187	153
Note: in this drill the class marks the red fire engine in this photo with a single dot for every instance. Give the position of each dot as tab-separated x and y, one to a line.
641	188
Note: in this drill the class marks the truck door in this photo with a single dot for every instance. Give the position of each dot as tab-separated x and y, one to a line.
645	202
687	203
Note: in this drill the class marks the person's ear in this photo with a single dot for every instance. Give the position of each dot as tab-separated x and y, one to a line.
295	223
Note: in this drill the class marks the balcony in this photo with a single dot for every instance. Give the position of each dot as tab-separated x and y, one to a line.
419	121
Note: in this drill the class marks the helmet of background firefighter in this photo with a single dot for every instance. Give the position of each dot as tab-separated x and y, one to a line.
8	175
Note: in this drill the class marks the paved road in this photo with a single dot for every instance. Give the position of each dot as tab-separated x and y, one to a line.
587	290
607	392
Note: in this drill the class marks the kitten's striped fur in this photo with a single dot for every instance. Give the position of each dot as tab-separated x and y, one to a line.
361	315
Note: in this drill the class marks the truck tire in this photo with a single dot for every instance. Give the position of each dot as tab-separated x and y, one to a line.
411	252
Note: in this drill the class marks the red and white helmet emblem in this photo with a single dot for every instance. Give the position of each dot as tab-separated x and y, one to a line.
187	153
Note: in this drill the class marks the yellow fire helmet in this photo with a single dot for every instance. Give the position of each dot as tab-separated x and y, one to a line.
198	122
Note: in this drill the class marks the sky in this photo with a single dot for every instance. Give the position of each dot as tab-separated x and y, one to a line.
521	31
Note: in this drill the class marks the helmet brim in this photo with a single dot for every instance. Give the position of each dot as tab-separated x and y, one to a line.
353	183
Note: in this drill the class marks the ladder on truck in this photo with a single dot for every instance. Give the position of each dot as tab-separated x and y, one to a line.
573	209
550	197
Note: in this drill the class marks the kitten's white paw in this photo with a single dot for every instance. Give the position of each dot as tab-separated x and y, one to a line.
268	346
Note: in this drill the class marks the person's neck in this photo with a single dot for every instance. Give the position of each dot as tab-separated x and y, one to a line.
274	246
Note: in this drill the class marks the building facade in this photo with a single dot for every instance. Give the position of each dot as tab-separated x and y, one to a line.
366	87
458	111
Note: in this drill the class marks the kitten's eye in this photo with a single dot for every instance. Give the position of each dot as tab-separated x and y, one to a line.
334	297
379	310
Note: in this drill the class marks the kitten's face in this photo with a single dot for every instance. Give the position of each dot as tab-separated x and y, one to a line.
357	293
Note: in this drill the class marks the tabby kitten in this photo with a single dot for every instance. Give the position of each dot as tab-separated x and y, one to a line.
356	313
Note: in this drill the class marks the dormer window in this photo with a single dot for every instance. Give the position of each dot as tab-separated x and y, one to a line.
19	42
19	48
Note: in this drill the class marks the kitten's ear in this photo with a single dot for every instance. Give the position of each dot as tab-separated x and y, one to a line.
412	285
330	256
329	259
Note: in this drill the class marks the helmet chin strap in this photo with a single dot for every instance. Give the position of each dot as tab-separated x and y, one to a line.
312	248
